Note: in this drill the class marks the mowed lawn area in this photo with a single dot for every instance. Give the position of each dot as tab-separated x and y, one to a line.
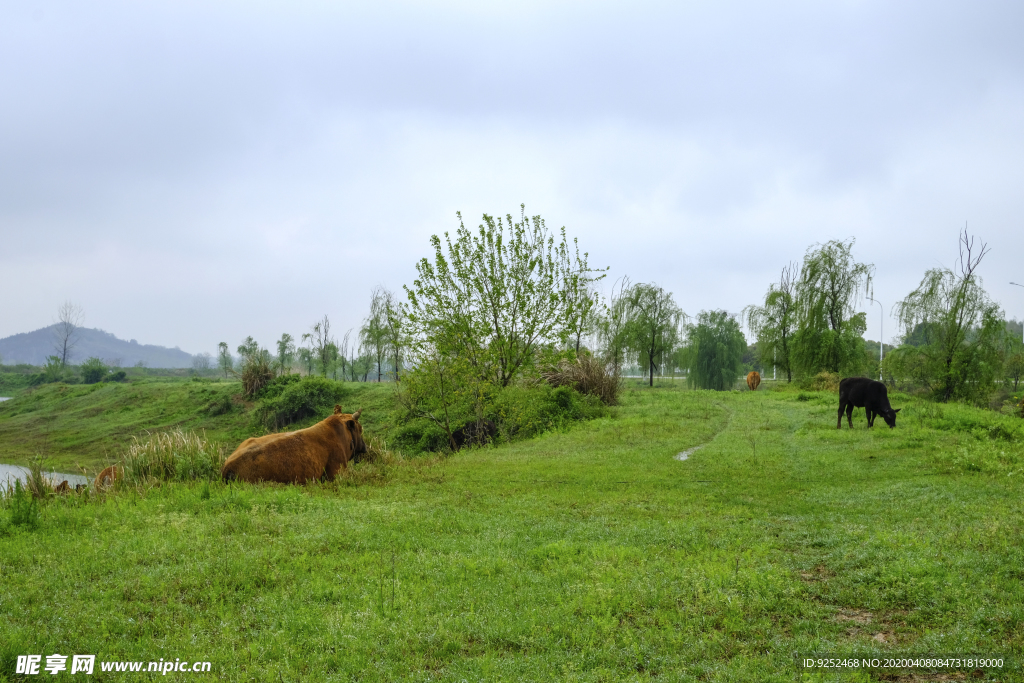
588	555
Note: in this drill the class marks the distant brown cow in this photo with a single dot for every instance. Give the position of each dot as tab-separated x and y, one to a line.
107	477
753	381
317	452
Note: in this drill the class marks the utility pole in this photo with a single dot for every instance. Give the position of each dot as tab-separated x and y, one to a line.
1022	322
881	336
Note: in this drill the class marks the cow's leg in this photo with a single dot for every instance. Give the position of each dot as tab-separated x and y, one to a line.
849	414
871	416
842	407
334	465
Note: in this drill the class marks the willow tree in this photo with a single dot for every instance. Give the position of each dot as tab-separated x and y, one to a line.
715	351
774	323
828	328
652	325
960	328
612	325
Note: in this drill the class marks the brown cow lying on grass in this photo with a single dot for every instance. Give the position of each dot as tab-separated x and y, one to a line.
753	380
317	452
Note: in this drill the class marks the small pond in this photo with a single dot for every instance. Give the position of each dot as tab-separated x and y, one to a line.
8	473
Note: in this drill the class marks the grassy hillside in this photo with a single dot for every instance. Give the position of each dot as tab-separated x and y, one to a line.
87	425
592	554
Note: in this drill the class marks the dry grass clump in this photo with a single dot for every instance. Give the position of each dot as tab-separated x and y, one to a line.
176	455
823	381
587	375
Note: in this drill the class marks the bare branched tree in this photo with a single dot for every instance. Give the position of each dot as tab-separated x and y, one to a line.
323	345
202	362
343	353
958	323
65	332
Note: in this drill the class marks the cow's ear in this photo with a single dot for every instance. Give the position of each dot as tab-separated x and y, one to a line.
337	409
897	410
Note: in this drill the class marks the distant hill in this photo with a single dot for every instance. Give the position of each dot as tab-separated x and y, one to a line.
34	347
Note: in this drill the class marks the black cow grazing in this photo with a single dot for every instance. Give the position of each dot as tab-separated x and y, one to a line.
474	433
861	392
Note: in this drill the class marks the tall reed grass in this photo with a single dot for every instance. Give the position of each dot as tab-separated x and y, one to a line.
176	455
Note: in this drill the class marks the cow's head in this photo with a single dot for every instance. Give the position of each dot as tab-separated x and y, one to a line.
355	431
890	417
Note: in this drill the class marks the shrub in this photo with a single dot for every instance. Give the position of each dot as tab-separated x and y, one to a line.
176	455
823	381
420	435
276	386
523	412
93	370
118	376
311	396
587	375
222	405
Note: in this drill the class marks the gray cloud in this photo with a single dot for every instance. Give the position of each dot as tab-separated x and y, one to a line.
198	173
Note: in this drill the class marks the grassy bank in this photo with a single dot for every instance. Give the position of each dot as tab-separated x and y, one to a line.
88	425
592	554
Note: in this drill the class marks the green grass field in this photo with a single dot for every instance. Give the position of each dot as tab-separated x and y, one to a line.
75	427
587	555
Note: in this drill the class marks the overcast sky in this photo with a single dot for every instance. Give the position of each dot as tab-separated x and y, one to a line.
195	172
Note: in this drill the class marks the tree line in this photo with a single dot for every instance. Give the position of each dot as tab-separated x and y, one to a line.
955	342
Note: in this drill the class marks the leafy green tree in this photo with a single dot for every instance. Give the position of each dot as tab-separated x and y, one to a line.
961	328
395	342
306	358
249	347
436	385
716	345
285	352
653	323
53	371
828	335
1015	366
224	359
774	323
497	296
